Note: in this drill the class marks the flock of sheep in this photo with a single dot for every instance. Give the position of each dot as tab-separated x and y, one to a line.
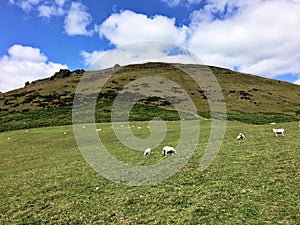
276	132
168	150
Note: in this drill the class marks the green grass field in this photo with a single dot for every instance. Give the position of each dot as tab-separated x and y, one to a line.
44	179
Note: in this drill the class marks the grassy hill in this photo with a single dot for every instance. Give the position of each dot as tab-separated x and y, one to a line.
248	98
45	179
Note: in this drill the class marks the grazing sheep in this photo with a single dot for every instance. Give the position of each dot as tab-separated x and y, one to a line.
241	137
147	151
168	150
278	131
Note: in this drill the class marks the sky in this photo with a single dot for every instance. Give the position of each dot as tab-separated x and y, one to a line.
40	37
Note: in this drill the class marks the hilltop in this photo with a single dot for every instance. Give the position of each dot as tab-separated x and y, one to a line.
248	97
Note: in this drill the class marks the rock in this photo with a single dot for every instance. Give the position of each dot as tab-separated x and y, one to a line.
27	83
61	74
66	73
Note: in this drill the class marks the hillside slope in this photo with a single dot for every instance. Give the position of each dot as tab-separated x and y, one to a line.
247	97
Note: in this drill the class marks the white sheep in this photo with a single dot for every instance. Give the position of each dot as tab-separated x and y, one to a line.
168	150
241	136
147	151
278	131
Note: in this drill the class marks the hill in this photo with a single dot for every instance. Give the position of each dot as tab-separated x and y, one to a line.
248	98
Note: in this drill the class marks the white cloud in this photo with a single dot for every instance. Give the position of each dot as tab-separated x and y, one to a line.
25	53
49	11
60	2
24	63
26	5
77	20
76	14
175	3
172	3
139	52
90	59
127	27
297	81
150	36
43	8
259	37
221	8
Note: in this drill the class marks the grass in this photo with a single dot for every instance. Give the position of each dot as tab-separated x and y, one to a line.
63	116
35	118
260	118
44	179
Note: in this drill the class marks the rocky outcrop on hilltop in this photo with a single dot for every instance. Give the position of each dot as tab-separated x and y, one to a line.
63	73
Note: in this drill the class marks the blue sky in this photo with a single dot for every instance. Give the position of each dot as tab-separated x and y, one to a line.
38	37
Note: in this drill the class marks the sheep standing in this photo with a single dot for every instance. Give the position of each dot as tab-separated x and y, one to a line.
147	151
241	136
168	150
278	131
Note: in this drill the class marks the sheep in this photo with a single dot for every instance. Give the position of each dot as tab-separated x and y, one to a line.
168	150
147	151
278	131
241	136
